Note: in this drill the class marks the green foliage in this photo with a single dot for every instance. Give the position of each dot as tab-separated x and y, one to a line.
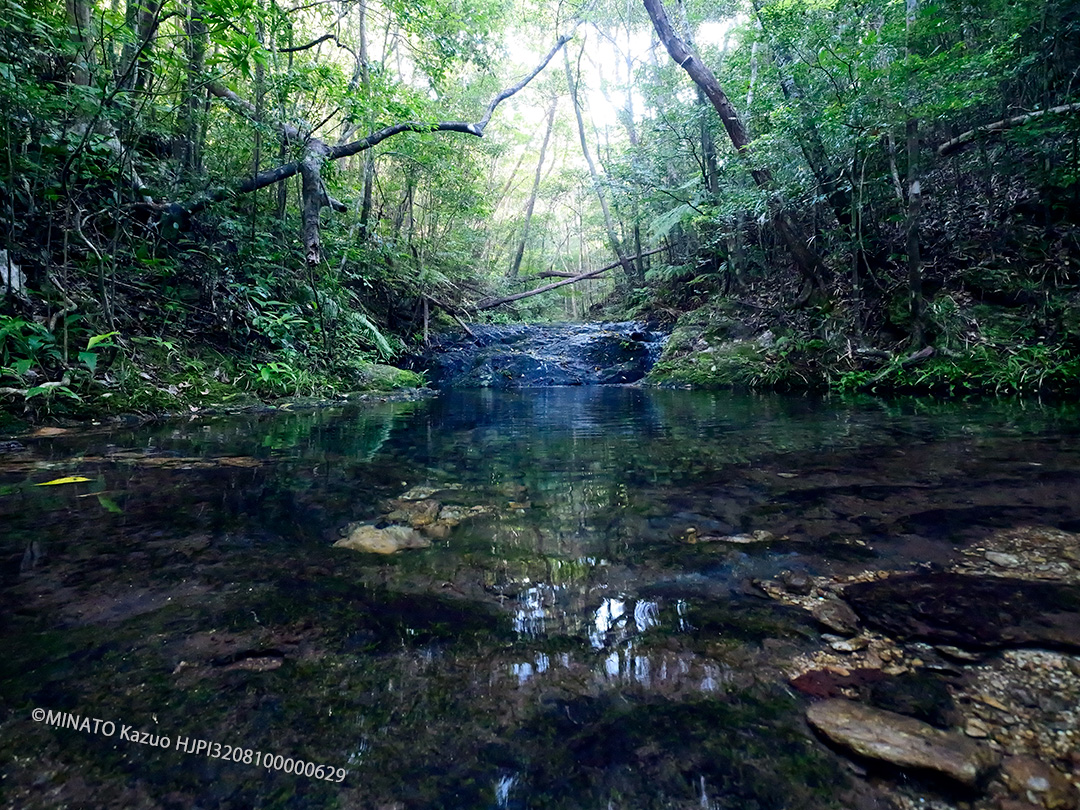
27	346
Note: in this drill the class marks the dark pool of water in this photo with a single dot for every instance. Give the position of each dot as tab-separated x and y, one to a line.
565	647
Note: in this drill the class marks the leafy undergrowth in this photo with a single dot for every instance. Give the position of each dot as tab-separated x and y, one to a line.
972	349
80	375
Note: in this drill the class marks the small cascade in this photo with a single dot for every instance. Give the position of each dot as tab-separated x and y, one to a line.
543	355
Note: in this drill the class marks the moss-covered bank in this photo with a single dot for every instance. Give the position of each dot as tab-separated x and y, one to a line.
971	349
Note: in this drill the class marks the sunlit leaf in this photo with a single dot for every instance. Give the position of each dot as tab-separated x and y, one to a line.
71	479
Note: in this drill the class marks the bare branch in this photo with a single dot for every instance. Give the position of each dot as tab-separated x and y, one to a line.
491	303
291	133
962	140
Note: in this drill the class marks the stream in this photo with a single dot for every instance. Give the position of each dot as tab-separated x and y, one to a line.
580	627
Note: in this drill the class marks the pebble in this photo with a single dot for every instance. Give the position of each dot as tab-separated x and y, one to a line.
1042	784
977	729
1003	559
850	644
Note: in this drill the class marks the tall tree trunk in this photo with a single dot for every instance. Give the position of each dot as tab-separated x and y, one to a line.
369	157
609	226
313	197
79	20
914	207
141	18
515	265
808	263
260	95
190	136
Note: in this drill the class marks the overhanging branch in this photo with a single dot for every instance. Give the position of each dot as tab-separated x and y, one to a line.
317	147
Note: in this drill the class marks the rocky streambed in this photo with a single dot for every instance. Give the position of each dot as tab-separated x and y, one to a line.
955	688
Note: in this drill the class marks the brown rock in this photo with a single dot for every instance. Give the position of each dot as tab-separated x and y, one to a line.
1035	781
837	616
901	741
797	582
437	530
366	537
415	513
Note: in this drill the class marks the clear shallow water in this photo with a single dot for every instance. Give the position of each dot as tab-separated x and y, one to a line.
565	647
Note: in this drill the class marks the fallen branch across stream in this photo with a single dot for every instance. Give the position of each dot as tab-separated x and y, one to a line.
491	303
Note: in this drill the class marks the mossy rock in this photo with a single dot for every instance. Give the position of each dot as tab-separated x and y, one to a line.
381	377
730	363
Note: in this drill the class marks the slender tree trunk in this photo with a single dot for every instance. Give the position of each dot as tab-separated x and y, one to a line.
609	225
914	207
808	263
753	76
515	265
369	157
260	93
141	18
283	151
190	137
80	22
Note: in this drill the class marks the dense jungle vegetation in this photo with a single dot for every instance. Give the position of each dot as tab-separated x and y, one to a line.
218	201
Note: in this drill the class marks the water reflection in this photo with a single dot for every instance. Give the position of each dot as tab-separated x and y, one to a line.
581	630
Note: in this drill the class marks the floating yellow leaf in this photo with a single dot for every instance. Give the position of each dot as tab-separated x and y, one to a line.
71	479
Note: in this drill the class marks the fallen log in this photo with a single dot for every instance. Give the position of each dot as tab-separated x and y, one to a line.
911	360
962	140
491	303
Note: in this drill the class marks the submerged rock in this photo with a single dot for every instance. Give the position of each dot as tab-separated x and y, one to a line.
902	741
1041	784
972	611
758	536
367	537
415	513
921	694
837	616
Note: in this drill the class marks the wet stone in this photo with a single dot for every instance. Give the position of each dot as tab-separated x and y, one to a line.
1003	559
966	610
837	616
850	644
1041	784
388	540
922	695
797	582
901	741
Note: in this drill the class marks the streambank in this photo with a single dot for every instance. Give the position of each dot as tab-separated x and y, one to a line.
978	350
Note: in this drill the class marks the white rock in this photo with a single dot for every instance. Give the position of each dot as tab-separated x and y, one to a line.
10	275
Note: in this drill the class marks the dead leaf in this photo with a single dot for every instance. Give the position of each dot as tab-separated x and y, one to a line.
44	432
